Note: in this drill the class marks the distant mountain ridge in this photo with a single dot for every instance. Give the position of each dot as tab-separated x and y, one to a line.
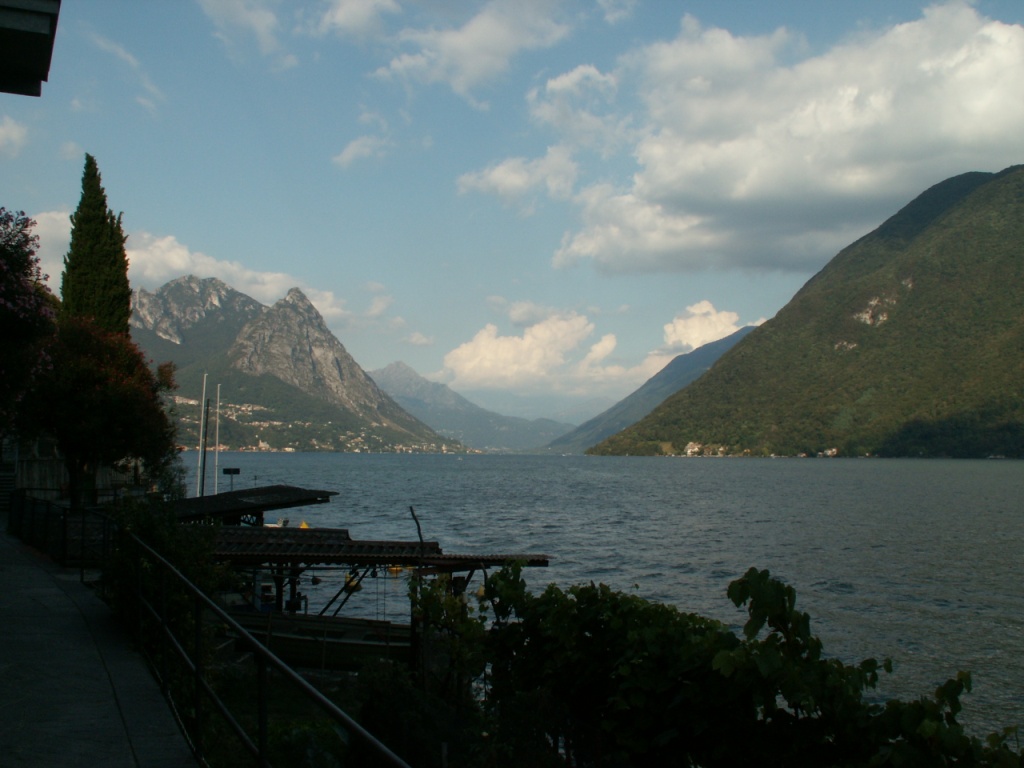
288	383
681	371
452	415
910	342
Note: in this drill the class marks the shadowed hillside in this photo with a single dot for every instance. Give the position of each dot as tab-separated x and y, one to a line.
910	342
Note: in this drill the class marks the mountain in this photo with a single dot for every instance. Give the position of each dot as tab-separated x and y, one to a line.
452	415
910	342
198	309
681	371
286	382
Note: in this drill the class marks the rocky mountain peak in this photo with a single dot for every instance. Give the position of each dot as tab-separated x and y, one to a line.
292	342
184	304
296	296
398	372
287	381
400	377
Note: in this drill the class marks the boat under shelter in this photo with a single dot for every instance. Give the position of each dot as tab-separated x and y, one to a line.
276	559
285	553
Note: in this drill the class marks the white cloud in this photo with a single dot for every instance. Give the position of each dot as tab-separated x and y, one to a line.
152	95
617	10
552	354
71	150
527	313
514	178
585	78
700	325
493	361
362	147
153	260
580	105
12	136
466	57
625	232
379	305
356	17
371	117
600	350
54	231
418	339
256	18
752	156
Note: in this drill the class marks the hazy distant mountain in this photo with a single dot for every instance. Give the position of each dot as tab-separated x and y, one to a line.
286	382
452	415
909	342
680	372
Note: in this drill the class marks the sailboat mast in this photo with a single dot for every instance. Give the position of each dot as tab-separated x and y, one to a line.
202	425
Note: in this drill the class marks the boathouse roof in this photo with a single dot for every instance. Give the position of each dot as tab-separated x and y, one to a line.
300	548
248	505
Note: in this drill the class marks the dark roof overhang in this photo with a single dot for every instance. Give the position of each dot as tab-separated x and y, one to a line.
27	32
250	502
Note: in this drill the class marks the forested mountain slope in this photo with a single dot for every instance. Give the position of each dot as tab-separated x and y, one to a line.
683	370
909	342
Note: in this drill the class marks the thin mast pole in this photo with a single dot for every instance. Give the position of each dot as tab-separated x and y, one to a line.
199	468
216	448
202	450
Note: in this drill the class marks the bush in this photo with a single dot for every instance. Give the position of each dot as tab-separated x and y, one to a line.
589	676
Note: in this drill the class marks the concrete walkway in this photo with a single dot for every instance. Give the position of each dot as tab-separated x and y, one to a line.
72	690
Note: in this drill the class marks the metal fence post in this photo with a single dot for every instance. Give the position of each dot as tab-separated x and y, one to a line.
197	681
162	619
261	703
137	560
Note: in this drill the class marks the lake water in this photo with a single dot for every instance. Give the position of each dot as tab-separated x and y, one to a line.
918	561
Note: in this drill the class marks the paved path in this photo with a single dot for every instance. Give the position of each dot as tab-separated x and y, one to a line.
72	691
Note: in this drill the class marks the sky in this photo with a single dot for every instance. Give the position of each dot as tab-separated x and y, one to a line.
537	202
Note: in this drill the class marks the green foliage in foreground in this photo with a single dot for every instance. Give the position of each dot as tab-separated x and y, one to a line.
593	677
588	676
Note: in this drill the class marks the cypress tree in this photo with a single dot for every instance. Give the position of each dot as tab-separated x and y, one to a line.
94	283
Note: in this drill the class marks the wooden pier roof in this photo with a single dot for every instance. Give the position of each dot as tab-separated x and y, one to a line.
249	503
309	547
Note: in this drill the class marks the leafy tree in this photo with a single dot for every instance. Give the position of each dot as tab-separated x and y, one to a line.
102	404
26	312
589	676
95	279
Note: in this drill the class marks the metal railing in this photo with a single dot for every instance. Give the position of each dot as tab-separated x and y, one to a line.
156	580
176	623
79	538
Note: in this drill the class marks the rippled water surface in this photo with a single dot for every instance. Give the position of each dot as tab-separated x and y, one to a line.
920	561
